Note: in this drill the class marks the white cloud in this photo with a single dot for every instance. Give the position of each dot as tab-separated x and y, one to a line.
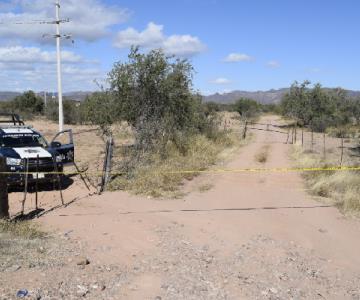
183	45
43	77
89	19
153	37
236	57
36	69
33	55
221	80
273	64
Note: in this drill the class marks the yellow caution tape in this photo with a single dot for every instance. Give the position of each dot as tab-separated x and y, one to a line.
244	170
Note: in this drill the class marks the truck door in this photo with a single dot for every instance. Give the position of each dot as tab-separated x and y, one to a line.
63	143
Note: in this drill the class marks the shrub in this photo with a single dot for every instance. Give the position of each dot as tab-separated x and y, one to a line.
153	93
247	108
72	111
262	155
27	105
318	107
340	187
160	174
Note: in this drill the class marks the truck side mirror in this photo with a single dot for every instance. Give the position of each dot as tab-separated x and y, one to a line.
55	144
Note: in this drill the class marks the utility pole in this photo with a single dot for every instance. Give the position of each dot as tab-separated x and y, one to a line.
45	99
57	36
58	64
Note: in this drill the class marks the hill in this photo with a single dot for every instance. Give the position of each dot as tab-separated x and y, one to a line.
264	97
6	96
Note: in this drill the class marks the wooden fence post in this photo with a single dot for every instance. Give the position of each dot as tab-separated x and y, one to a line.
245	129
107	164
4	199
342	150
312	139
302	136
288	135
324	143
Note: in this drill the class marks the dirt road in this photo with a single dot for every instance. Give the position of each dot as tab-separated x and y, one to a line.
251	236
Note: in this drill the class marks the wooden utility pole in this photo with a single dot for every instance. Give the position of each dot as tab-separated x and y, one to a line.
4	199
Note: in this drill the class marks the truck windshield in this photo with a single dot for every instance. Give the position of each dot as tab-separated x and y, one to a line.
23	140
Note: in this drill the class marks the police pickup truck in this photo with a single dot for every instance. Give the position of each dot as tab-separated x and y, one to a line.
28	154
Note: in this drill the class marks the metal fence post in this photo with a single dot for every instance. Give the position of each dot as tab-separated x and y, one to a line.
4	199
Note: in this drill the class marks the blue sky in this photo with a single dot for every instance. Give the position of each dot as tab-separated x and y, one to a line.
246	45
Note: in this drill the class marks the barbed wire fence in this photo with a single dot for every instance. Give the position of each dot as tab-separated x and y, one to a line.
337	151
341	148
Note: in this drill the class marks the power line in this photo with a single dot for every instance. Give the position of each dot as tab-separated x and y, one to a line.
34	22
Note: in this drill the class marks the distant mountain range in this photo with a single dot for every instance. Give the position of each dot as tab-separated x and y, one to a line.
5	96
264	97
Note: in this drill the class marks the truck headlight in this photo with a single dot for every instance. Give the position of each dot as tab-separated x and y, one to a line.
58	158
13	161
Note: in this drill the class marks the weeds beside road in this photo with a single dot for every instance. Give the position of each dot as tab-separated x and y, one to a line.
341	188
160	174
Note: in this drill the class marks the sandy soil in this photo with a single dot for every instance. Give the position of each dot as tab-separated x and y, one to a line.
251	236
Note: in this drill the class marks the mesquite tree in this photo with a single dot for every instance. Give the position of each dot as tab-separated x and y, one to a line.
153	93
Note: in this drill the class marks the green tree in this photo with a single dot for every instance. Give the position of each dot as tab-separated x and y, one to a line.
153	93
247	108
211	107
72	111
28	103
99	109
355	108
295	104
318	107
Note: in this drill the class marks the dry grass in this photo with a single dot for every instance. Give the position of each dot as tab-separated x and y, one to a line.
205	187
156	178
341	188
19	244
163	177
24	246
262	155
23	229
